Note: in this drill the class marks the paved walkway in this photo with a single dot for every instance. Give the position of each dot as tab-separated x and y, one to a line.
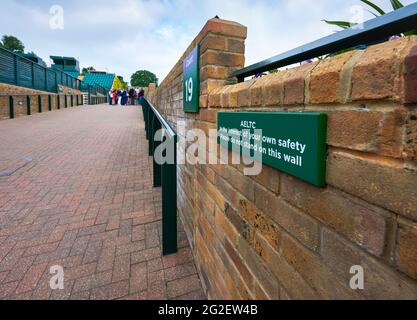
75	191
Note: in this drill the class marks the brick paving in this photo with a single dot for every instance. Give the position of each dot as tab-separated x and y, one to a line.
75	191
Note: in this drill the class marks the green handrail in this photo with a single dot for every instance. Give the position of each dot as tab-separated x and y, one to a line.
164	175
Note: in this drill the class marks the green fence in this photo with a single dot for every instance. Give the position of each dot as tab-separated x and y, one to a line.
19	71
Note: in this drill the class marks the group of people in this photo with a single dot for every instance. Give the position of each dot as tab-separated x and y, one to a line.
124	97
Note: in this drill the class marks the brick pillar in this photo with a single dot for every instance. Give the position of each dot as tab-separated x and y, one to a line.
150	93
222	51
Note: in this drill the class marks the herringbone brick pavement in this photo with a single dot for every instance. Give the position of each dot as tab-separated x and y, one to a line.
76	191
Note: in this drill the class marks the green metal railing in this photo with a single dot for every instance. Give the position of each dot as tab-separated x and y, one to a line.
164	175
93	89
378	29
20	71
96	93
75	100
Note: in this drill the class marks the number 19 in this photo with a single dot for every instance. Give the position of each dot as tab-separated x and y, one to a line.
189	90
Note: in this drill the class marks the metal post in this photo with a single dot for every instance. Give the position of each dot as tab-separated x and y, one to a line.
169	205
40	104
16	65
11	107
33	75
72	100
28	111
58	101
49	103
66	101
151	131
157	168
145	108
56	81
46	79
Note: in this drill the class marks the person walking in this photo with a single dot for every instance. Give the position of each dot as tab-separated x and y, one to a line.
141	95
124	97
110	95
119	97
114	96
132	95
137	95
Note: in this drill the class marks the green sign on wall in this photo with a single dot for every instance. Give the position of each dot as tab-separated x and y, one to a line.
294	143
191	81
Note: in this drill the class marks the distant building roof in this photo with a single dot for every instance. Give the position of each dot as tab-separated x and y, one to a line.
63	58
102	79
65	63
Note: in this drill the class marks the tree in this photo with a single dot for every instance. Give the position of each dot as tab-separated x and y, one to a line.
143	78
12	43
86	70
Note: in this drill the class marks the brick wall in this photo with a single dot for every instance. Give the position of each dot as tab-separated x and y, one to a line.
20	103
273	236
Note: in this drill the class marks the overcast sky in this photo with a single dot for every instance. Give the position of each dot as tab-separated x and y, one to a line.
122	36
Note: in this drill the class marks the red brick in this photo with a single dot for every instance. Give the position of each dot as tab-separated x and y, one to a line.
406	253
182	286
31	278
111	291
256	91
222	59
326	77
410	75
372	178
295	84
179	271
214	98
244	94
375	73
410	148
121	269
213	42
225	27
362	223
380	281
92	281
273	90
138	278
283	271
294	221
315	272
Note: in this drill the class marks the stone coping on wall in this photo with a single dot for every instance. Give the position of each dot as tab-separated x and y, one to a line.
12	89
387	71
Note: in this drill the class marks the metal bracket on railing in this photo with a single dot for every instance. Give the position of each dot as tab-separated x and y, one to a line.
164	175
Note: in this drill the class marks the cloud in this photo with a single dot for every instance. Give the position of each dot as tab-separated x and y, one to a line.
126	35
